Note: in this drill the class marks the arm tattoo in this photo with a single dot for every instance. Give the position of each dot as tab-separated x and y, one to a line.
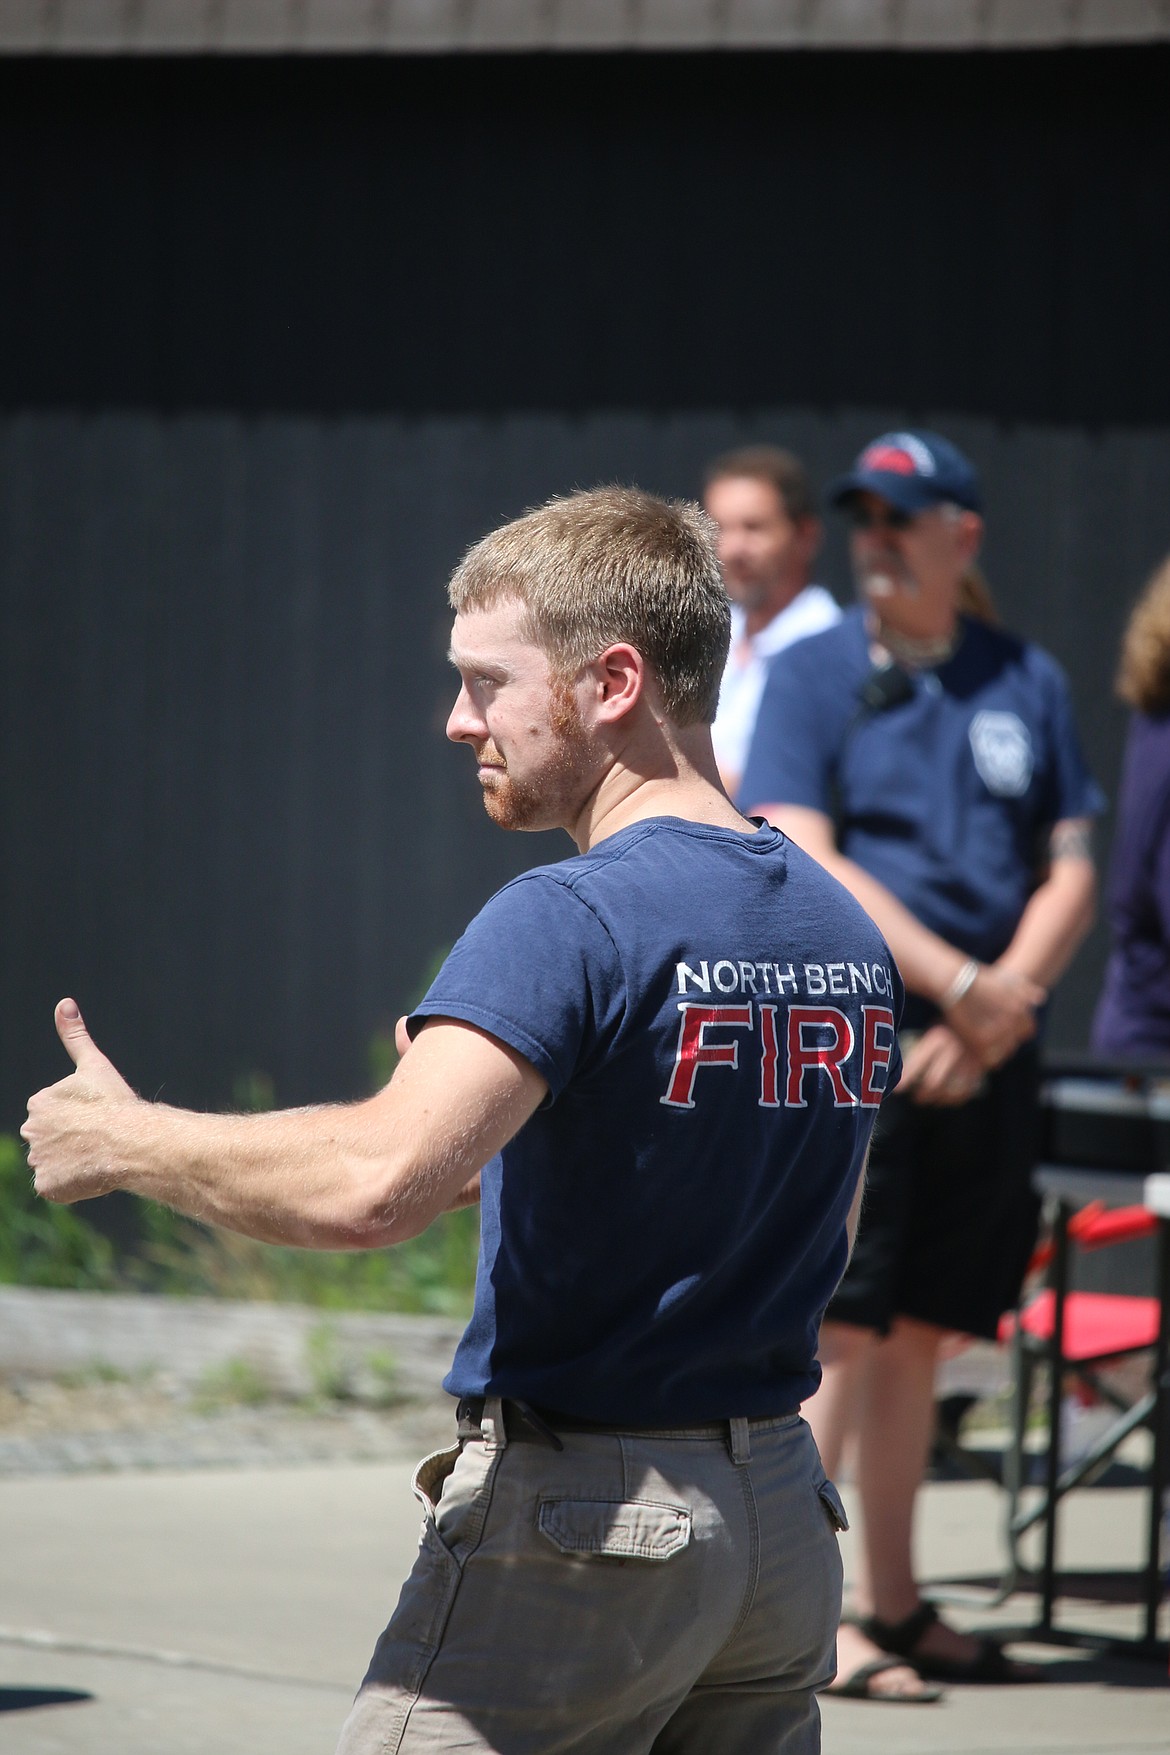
1071	840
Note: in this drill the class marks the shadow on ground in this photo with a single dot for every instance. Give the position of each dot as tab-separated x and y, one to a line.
24	1699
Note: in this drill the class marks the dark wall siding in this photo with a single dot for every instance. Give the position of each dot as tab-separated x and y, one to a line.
231	821
985	232
277	340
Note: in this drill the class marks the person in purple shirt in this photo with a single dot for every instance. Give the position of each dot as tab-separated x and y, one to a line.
1133	1014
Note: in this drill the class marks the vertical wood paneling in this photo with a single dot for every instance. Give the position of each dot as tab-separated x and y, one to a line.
230	817
277	341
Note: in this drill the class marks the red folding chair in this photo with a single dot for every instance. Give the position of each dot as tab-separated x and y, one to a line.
1098	1327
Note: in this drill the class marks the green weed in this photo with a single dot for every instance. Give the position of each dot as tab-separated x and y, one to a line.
45	1245
384	1388
234	1383
327	1369
100	1371
42	1244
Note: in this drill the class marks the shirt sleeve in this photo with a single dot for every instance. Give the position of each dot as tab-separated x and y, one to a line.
538	970
793	751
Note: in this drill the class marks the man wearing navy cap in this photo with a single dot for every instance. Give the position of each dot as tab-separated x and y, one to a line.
929	760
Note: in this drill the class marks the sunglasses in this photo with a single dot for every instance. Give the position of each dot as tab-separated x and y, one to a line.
893	518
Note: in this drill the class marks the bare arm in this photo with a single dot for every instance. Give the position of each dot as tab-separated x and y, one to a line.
1060	909
468	1196
926	962
940	1068
342	1176
994	1015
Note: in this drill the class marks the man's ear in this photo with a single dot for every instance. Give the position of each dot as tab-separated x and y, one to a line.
619	677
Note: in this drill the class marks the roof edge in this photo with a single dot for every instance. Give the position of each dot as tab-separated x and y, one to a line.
403	27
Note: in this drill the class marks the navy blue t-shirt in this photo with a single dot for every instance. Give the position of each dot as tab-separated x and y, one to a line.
947	796
715	1017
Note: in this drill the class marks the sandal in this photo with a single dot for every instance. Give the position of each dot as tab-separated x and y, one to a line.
857	1685
990	1663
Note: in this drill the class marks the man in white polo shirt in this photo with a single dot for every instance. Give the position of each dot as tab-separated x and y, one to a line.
769	535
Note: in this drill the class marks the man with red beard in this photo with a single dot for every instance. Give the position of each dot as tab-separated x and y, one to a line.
929	760
661	1059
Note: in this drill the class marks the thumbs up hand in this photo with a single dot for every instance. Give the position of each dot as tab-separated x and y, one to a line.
73	1126
90	1063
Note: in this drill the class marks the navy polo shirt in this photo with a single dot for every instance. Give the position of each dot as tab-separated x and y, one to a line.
948	795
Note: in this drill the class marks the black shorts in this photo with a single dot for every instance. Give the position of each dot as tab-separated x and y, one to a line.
949	1217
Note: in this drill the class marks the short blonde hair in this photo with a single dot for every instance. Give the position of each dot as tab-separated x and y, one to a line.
613	564
1143	677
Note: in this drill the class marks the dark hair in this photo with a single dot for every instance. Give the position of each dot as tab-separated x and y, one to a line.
782	470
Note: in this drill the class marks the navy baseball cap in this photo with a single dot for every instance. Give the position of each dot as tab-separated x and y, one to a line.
912	470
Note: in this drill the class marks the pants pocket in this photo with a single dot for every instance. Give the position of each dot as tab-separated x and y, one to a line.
431	1473
619	1529
834	1509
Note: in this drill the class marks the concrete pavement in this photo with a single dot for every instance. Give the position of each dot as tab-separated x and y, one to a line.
210	1612
217	1612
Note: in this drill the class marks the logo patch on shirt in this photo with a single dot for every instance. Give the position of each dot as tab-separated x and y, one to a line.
1003	753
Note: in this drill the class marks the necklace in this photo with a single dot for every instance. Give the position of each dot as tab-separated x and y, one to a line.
920	654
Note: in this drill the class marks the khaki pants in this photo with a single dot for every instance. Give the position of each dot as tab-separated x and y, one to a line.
629	1593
